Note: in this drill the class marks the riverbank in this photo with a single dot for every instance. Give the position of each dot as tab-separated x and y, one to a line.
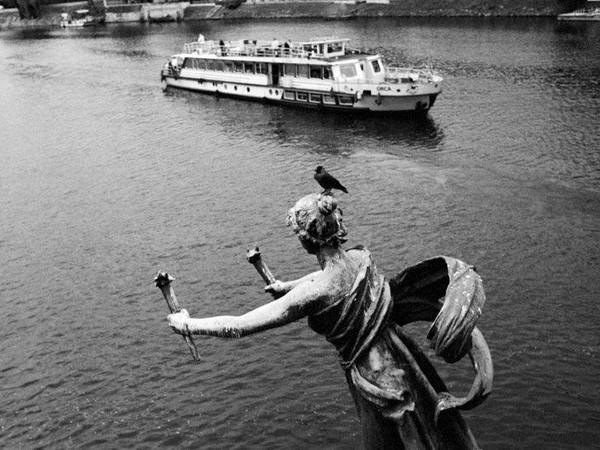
328	10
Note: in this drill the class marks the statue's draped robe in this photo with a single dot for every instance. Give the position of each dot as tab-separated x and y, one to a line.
401	400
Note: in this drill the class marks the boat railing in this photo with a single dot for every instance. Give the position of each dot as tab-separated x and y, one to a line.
409	75
251	48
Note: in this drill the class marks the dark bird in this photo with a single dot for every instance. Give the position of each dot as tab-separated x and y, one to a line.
327	181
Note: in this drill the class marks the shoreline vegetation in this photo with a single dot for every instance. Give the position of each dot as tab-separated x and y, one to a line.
331	10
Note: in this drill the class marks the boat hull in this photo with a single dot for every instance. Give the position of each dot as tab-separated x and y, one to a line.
363	101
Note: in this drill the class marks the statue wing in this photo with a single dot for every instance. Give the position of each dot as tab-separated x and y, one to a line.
449	293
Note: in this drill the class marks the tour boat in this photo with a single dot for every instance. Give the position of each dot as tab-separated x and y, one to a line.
319	73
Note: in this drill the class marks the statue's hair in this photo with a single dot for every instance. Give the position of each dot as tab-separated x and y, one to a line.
317	219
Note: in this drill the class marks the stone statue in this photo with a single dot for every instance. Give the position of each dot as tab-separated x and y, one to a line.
400	399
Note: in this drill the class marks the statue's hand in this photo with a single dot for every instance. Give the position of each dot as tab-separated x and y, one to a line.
276	289
178	322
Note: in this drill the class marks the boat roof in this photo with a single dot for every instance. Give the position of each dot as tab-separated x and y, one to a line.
325	40
319	50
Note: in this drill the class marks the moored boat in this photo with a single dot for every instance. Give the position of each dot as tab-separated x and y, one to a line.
78	18
589	13
319	73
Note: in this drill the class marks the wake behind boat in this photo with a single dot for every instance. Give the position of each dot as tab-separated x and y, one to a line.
318	73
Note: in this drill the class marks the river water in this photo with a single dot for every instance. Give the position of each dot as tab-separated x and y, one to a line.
105	180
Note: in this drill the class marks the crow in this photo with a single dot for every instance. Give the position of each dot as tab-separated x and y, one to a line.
327	181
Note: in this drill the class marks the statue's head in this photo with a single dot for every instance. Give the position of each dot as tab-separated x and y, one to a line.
317	221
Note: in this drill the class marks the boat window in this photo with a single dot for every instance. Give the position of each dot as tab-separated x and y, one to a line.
220	66
376	66
229	66
327	72
346	100
333	47
210	65
289	95
249	67
239	66
348	70
315	98
302	96
289	70
315	72
188	63
303	71
328	99
262	68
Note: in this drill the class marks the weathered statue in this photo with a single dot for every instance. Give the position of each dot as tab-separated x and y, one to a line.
400	399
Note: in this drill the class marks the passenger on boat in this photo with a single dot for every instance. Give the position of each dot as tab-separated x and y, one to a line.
395	388
201	38
275	47
287	45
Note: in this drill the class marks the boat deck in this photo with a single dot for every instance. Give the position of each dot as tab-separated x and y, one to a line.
322	49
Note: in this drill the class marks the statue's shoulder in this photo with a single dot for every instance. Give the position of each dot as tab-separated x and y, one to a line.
358	248
359	252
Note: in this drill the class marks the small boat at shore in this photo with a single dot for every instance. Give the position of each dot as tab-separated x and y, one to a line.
78	18
590	13
318	73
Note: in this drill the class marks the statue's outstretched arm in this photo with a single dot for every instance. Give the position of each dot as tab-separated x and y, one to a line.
306	298
279	288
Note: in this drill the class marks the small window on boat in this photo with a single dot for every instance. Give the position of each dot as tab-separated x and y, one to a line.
220	66
210	65
289	95
249	67
239	66
303	71
289	70
302	96
346	100
315	72
229	66
314	98
188	63
327	72
348	70
262	68
328	99
334	47
376	66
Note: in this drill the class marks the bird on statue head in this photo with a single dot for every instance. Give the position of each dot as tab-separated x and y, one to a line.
327	181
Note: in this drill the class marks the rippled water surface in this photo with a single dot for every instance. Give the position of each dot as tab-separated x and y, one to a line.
105	180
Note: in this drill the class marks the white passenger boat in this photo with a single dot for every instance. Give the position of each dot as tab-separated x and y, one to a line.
78	18
320	73
589	13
